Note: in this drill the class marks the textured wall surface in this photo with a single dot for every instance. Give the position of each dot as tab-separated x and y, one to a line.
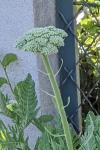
16	17
45	15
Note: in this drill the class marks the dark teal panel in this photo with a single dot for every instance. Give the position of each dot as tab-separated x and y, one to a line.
68	89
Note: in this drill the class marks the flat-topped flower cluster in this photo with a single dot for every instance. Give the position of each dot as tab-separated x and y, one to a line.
45	40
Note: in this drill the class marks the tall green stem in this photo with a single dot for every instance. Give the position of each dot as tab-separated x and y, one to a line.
59	102
8	81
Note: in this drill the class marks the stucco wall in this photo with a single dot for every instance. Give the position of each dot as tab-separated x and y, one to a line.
16	17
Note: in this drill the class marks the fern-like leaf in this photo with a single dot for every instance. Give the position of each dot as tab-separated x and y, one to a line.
53	138
11	138
88	141
27	101
6	140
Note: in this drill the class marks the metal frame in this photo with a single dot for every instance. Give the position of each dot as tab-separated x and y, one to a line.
69	70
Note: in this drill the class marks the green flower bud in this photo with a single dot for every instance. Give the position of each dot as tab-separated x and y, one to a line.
45	40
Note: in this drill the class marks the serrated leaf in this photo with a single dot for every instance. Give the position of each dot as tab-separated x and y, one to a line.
45	118
2	103
41	122
27	100
3	106
3	81
6	140
39	125
8	58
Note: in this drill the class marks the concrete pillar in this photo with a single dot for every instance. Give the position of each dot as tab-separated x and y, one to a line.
45	15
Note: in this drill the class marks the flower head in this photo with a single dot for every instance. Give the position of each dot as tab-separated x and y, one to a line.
45	40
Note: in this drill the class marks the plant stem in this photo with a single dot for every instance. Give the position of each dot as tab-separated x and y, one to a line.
59	102
8	80
7	77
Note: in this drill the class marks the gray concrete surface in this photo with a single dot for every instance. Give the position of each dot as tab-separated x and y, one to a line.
16	17
45	15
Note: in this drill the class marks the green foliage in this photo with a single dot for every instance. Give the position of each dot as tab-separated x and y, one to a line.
3	81
53	137
54	141
88	32
11	138
89	140
45	118
6	140
26	100
3	103
41	122
8	59
47	41
22	111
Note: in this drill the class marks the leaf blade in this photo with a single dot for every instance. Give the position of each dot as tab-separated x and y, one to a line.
8	59
3	81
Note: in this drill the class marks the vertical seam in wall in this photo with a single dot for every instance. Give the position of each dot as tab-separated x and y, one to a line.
45	15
